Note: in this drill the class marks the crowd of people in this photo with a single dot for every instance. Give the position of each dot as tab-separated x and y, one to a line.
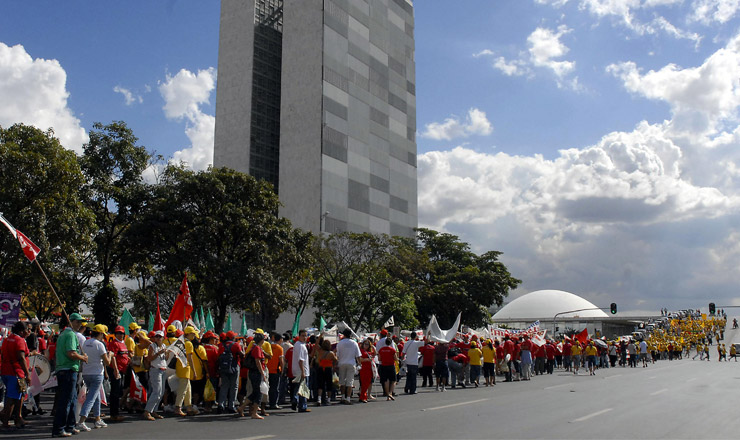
183	373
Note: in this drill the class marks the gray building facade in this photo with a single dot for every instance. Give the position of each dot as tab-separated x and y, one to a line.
340	146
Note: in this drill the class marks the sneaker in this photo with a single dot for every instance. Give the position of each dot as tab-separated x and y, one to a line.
437	389
82	427
100	424
443	388
62	434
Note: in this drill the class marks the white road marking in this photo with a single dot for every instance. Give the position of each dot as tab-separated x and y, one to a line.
610	377
659	391
653	377
455	404
258	437
597	413
558	386
691	380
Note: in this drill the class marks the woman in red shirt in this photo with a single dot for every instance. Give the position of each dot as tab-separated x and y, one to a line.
366	369
14	370
257	374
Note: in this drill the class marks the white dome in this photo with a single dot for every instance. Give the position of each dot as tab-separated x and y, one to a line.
546	304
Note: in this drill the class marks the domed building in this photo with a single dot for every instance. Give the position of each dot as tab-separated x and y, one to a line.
546	304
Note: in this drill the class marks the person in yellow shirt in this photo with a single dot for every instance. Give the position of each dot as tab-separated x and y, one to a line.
133	329
475	355
184	373
733	352
590	353
489	363
200	366
575	354
140	353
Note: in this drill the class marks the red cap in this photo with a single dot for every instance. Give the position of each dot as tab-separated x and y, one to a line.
231	334
151	334
209	335
119	329
222	336
41	332
179	333
384	332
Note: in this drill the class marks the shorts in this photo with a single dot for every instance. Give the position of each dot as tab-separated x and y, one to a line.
387	373
591	361
12	390
346	375
441	370
643	356
576	360
489	369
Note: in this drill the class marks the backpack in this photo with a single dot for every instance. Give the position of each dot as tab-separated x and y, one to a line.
227	362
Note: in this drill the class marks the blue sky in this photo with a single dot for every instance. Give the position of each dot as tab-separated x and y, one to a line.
594	142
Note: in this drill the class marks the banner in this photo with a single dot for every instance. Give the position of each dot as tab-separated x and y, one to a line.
10	308
177	349
436	334
496	332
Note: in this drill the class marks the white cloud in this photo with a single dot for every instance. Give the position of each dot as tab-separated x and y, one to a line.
702	98
129	98
33	92
620	216
545	50
714	11
476	123
545	46
184	94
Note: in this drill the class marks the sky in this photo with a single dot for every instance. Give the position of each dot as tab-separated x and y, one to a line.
596	143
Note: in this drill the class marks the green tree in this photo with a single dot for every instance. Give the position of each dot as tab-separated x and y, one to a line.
358	281
460	281
39	194
117	194
222	227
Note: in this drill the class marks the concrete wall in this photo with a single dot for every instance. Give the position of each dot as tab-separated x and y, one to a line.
234	90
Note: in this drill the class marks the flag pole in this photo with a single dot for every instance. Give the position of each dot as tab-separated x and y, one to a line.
36	260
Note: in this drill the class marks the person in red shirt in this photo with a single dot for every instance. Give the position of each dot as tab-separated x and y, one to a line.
566	355
257	374
427	364
388	357
509	353
550	355
525	353
14	370
209	340
117	372
366	369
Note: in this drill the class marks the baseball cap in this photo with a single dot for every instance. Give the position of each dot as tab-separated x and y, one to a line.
133	326
119	329
230	335
171	329
100	328
76	317
191	330
159	333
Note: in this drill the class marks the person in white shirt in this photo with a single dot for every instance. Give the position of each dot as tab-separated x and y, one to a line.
301	369
411	356
98	357
348	356
643	353
157	358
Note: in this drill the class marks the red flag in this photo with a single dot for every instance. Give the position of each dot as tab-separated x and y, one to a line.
582	336
136	390
183	307
158	323
30	249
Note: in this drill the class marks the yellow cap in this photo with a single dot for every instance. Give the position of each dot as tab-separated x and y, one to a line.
133	326
100	328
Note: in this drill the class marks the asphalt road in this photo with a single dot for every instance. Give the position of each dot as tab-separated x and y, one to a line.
682	399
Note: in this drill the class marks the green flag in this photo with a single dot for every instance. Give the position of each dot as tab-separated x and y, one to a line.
227	327
322	324
296	324
209	322
203	319
150	327
197	320
244	326
126	319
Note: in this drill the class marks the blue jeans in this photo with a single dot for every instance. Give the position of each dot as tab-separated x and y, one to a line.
411	371
64	417
302	401
156	389
227	392
93	382
274	388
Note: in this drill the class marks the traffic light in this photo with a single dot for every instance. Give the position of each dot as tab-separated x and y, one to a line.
711	308
614	308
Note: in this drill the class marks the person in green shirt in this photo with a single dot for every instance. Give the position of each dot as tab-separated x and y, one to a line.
68	359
